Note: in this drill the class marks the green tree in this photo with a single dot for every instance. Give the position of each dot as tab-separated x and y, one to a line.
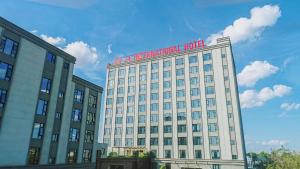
284	159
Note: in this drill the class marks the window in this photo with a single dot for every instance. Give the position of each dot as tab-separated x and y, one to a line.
131	79
8	46
66	65
130	109
142	108
45	85
118	142
167	63
182	141
215	154
128	142
196	115
180	93
121	81
167	74
167	153
5	71
61	94
206	56
92	101
168	141
143	68
50	57
212	127
181	116
168	117
179	61
154	118
141	130
38	130
167	95
76	116
211	114
194	69
167	129
167	106
141	141
154	76
214	140
198	154
120	90
33	155
107	120
154	96
142	119
118	130
119	109
129	119
194	80
209	90
207	67
106	141
78	96
154	86
121	72
196	103
119	120
232	142
54	137
72	156
154	66
129	130
120	100
193	59
111	83
3	94
89	136
153	129
41	107
180	82
196	127
182	154
208	79
131	70
87	155
180	104
130	99
143	77
58	115
107	131
153	141
234	157
210	102
195	91
167	84
197	140
181	128
74	135
91	118
179	72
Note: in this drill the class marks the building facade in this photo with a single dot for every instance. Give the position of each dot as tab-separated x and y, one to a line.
184	107
47	115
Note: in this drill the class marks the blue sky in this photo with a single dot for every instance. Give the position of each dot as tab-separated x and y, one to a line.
264	35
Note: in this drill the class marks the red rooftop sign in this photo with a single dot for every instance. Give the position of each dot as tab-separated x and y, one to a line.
160	52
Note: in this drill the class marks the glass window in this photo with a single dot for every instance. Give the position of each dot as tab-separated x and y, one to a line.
208	79
119	120
131	70
179	72
154	86
182	141
130	99
167	74
195	91
72	156
121	72
120	90
143	68
181	128
50	57
167	153
198	154
142	108
87	155
180	93
153	129
215	154
154	96
181	116
111	73
107	131
210	102
38	130
143	77
194	80
120	100
167	129
214	140
206	56
196	115
76	116
78	96
45	85
141	130
121	81
58	115
209	90
129	142
167	106
167	84
129	119
8	46
180	104
154	66
193	59
168	141
154	141
167	95
196	103
142	97
167	63
92	101
42	107
196	127
119	110
179	61
142	119
3	94
107	120
141	141
89	136
194	69
154	118
212	127
5	71
211	114
129	130
182	154
208	67
167	117
130	109
33	155
197	140
154	76
118	130
180	82
118	142
74	135
131	79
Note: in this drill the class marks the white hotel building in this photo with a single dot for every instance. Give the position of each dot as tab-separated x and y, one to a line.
183	107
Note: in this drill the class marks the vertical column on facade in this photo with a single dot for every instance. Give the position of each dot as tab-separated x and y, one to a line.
136	105
105	111
148	103
235	105
190	146
97	125
160	109
125	107
113	121
174	109
66	118
221	106
83	124
51	111
204	109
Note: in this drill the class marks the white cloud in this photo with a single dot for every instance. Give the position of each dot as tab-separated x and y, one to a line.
109	50
86	56
255	71
53	40
274	142
244	29
290	106
252	98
